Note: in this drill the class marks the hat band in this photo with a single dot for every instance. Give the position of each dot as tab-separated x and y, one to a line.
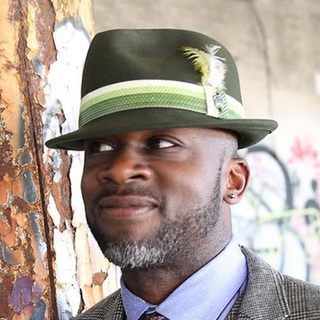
170	94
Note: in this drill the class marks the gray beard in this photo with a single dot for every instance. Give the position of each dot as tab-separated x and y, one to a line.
175	237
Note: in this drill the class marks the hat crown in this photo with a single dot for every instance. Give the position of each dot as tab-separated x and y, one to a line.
124	55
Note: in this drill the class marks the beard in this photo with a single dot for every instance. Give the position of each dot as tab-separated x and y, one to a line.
175	237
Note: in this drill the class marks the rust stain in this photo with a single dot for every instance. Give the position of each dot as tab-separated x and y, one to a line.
6	282
23	251
45	22
8	167
79	9
26	230
32	115
98	278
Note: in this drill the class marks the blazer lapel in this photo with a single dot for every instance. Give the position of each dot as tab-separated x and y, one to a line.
264	297
117	312
113	307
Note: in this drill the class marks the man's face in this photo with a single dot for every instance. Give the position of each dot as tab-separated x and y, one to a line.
151	194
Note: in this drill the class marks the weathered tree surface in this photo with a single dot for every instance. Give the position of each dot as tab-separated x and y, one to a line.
42	246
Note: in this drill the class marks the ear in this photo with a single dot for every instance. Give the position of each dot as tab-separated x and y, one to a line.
237	177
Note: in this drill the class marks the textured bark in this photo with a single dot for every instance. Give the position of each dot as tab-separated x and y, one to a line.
27	257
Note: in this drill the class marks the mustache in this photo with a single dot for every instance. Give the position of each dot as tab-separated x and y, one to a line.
129	190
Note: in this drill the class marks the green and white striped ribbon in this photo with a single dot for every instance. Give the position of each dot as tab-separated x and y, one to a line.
139	94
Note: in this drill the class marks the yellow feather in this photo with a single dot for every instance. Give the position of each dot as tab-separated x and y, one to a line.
212	70
200	60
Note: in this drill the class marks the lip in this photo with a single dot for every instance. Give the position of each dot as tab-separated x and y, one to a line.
126	207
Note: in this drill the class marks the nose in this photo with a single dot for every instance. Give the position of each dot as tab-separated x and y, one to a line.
126	166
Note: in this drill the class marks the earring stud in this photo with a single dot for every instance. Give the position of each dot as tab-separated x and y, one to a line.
231	196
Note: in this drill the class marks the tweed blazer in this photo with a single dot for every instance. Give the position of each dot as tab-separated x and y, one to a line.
269	295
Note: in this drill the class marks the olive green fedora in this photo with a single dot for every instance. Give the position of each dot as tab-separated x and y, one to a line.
157	79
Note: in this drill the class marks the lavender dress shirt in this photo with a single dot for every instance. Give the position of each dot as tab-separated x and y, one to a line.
209	293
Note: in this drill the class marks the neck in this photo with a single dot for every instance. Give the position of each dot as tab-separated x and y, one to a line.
155	284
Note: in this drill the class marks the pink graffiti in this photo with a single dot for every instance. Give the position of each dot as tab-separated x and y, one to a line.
303	150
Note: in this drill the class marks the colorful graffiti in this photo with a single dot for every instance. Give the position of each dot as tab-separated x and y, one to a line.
280	216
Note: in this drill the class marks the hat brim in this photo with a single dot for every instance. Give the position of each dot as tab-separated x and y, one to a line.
249	131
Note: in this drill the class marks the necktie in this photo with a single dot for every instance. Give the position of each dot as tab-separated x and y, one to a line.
152	316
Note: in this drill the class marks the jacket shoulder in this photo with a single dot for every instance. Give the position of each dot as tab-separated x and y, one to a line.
302	296
110	308
271	295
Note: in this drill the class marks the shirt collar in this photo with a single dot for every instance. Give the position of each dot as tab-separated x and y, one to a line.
205	294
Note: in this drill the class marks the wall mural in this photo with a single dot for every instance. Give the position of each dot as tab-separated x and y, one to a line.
280	216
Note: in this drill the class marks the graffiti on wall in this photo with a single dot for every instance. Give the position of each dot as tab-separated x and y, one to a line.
280	216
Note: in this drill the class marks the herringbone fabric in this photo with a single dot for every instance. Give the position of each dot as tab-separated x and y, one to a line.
110	308
269	295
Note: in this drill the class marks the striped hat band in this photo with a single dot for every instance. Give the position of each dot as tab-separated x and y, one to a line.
139	94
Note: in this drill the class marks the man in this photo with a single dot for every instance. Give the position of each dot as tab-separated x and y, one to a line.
161	120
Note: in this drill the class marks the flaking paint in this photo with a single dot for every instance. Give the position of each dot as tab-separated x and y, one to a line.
28	236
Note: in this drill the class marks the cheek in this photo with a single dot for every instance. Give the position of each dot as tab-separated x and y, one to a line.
189	186
88	186
89	192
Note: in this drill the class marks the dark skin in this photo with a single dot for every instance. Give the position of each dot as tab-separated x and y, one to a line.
180	167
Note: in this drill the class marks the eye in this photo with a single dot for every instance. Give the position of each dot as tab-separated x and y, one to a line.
160	143
99	146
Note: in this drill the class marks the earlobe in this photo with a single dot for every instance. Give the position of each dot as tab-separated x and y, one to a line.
236	180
